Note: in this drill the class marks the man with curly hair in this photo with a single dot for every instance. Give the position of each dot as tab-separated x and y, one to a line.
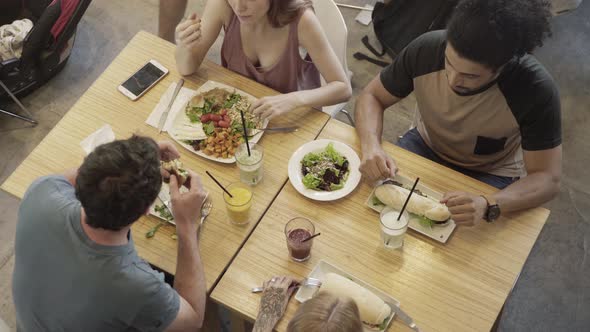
486	107
76	268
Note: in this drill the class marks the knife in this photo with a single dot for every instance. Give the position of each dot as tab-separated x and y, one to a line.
252	131
165	203
164	115
405	318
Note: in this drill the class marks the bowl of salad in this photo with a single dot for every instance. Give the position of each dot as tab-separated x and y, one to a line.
324	170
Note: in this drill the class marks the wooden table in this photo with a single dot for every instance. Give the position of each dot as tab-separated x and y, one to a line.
102	103
458	286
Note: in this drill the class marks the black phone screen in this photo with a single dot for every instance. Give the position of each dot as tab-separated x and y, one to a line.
142	80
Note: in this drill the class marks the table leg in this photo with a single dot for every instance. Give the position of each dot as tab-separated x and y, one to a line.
212	319
237	322
497	322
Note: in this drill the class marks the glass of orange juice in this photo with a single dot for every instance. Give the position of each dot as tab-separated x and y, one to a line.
238	206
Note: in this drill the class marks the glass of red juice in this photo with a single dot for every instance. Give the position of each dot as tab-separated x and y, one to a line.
297	230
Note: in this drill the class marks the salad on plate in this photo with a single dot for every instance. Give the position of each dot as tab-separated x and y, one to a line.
325	170
212	122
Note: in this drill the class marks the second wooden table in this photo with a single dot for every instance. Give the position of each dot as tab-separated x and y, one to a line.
457	286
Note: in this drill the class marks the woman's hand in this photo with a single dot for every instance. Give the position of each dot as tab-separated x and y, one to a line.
188	33
273	106
273	304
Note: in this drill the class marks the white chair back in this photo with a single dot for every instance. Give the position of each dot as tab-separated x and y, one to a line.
335	29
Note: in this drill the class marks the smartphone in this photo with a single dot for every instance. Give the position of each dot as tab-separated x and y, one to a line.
140	82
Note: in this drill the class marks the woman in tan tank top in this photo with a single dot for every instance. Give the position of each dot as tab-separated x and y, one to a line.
262	41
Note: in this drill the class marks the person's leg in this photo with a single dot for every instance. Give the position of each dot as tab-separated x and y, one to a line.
413	142
170	14
497	181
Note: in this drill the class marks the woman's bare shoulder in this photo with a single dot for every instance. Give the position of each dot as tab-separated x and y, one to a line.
309	27
219	10
307	17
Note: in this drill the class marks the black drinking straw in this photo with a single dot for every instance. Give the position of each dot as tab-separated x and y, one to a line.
219	184
311	237
408	199
245	132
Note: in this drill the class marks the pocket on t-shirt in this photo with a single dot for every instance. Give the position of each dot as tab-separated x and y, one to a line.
488	145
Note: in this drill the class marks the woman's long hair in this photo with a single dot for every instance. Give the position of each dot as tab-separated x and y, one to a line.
284	12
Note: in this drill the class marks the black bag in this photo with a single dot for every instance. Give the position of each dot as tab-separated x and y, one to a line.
399	22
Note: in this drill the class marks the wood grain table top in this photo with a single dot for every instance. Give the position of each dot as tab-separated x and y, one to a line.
103	104
458	286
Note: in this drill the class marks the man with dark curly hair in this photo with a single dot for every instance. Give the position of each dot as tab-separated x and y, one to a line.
486	107
76	268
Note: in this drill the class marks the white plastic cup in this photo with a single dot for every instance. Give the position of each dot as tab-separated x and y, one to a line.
393	231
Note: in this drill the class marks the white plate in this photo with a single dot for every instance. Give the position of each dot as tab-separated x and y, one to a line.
323	268
204	88
165	194
438	233
296	176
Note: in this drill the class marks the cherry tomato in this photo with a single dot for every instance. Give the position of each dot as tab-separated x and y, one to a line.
223	124
205	118
223	112
216	123
216	117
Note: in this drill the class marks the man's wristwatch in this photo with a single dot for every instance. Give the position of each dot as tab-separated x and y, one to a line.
493	211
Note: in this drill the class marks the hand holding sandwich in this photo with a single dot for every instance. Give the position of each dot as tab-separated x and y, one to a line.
466	209
168	152
186	207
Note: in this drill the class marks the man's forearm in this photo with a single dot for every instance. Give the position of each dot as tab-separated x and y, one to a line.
528	192
369	120
189	280
170	14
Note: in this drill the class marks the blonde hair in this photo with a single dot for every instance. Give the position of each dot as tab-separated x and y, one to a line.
326	313
284	12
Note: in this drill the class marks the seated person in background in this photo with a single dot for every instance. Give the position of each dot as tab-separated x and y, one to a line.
487	107
262	42
76	268
325	312
169	15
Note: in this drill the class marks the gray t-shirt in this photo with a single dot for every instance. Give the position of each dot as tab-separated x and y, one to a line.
63	281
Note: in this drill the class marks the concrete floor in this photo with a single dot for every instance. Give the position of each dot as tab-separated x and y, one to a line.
553	292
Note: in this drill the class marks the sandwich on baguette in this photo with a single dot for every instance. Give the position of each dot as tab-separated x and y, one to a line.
431	211
175	167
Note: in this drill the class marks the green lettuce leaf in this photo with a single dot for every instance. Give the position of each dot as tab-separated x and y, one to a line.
208	128
377	202
336	157
334	186
231	100
422	220
310	159
383	325
310	181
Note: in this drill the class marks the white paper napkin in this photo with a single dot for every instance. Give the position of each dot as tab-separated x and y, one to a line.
184	96
102	136
364	17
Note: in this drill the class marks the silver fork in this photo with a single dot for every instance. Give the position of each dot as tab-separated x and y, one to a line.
306	282
205	211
